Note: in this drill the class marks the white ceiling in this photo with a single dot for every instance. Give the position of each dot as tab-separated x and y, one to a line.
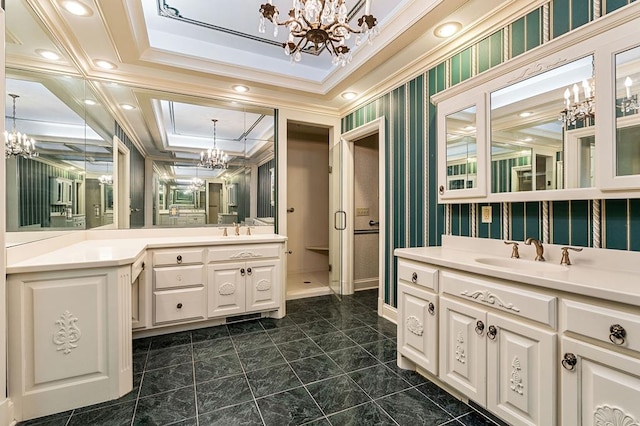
178	72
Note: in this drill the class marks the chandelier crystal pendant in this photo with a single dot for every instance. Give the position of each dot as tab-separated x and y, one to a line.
214	158
18	144
319	24
579	110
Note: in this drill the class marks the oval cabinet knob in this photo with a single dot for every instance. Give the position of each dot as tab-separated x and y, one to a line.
179	259
492	332
179	306
242	271
248	271
414	277
569	361
479	327
617	334
441	189
431	308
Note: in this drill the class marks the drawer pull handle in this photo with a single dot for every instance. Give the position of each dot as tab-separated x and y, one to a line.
179	259
248	271
569	361
179	306
242	272
491	333
618	333
431	308
414	277
479	327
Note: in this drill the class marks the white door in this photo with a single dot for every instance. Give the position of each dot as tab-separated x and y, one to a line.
337	217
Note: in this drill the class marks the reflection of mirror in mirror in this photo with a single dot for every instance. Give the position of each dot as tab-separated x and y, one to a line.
628	112
59	188
461	149
527	138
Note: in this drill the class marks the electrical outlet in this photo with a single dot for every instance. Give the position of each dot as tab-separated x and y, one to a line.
362	211
486	214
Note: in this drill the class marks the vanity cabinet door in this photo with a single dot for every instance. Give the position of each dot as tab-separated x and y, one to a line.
463	348
601	387
418	326
226	289
262	285
521	372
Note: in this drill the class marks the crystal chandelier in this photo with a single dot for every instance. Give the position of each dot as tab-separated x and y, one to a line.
579	109
319	24
106	180
630	102
18	144
196	184
214	158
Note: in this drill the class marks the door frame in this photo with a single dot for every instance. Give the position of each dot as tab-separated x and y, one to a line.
351	137
121	187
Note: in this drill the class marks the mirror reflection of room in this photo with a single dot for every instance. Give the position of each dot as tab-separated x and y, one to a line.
461	149
537	124
628	112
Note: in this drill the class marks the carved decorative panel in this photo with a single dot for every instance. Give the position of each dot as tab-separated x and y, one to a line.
226	289
516	378
461	357
263	285
414	325
487	297
67	334
611	416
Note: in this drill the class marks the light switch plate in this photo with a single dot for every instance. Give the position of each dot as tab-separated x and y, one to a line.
362	211
486	214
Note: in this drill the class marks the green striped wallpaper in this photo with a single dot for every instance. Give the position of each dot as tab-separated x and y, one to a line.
414	217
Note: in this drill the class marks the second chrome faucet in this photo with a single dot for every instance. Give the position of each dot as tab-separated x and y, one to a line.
539	248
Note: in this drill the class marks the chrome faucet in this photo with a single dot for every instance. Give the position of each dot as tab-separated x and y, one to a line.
539	248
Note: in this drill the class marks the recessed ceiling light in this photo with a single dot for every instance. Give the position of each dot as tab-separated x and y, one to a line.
525	114
105	64
240	88
76	8
127	107
447	29
469	128
349	95
89	102
48	54
527	140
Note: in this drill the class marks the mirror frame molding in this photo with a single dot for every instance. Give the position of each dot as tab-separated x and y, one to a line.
602	38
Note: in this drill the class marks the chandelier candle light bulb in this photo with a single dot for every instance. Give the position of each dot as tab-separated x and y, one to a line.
627	85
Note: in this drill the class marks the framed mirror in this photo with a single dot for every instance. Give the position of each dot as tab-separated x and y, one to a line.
539	122
627	148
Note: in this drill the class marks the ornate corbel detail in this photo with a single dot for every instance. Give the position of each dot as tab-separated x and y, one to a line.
67	334
487	297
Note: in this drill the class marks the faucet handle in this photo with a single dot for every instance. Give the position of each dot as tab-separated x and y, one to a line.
564	260
248	230
515	254
224	232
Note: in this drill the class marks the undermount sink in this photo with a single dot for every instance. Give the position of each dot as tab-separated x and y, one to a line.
521	264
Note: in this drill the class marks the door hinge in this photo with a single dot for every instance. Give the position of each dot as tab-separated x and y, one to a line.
330	169
330	268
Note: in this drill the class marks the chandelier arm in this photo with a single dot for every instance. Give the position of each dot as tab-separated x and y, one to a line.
335	25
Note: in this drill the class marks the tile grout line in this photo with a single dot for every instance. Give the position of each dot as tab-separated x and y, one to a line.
193	375
144	369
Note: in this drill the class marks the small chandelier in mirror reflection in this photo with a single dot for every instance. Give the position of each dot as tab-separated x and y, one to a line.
629	103
319	24
214	158
196	185
580	109
106	179
18	144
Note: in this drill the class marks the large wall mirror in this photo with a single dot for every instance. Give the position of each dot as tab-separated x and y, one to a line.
533	131
628	113
69	184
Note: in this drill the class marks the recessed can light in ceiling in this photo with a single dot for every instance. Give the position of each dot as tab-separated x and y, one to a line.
240	88
127	107
447	29
76	7
525	114
48	54
349	95
106	65
89	102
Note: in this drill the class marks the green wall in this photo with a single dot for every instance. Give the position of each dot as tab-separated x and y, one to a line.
414	217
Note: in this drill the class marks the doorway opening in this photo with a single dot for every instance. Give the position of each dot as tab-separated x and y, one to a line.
307	211
121	161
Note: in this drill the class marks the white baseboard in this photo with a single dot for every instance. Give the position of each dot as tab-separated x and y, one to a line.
366	284
6	417
387	312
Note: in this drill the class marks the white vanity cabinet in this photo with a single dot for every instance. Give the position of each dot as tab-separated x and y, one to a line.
178	285
69	339
418	325
601	365
243	279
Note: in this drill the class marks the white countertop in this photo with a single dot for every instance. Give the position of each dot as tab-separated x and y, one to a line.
606	274
97	253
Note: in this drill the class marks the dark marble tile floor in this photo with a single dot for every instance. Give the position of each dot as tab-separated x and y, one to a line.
328	362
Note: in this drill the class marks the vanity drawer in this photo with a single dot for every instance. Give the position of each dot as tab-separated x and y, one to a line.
178	276
599	323
179	305
177	257
244	252
418	273
527	304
